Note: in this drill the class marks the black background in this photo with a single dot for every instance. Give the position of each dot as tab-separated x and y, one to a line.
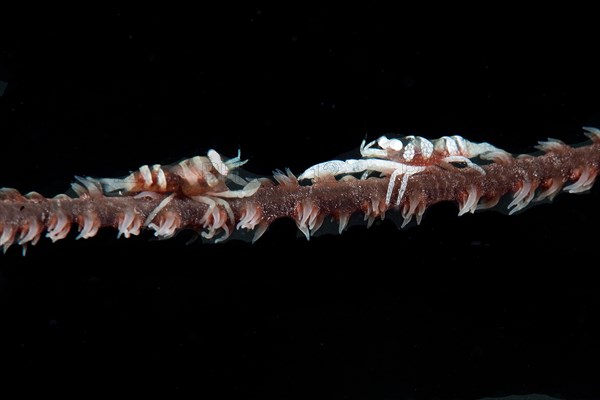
481	305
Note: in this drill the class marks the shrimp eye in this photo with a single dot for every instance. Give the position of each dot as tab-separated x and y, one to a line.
395	145
383	142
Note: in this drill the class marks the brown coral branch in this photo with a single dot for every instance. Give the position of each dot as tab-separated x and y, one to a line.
216	210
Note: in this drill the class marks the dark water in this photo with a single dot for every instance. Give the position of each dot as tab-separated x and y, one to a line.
484	305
